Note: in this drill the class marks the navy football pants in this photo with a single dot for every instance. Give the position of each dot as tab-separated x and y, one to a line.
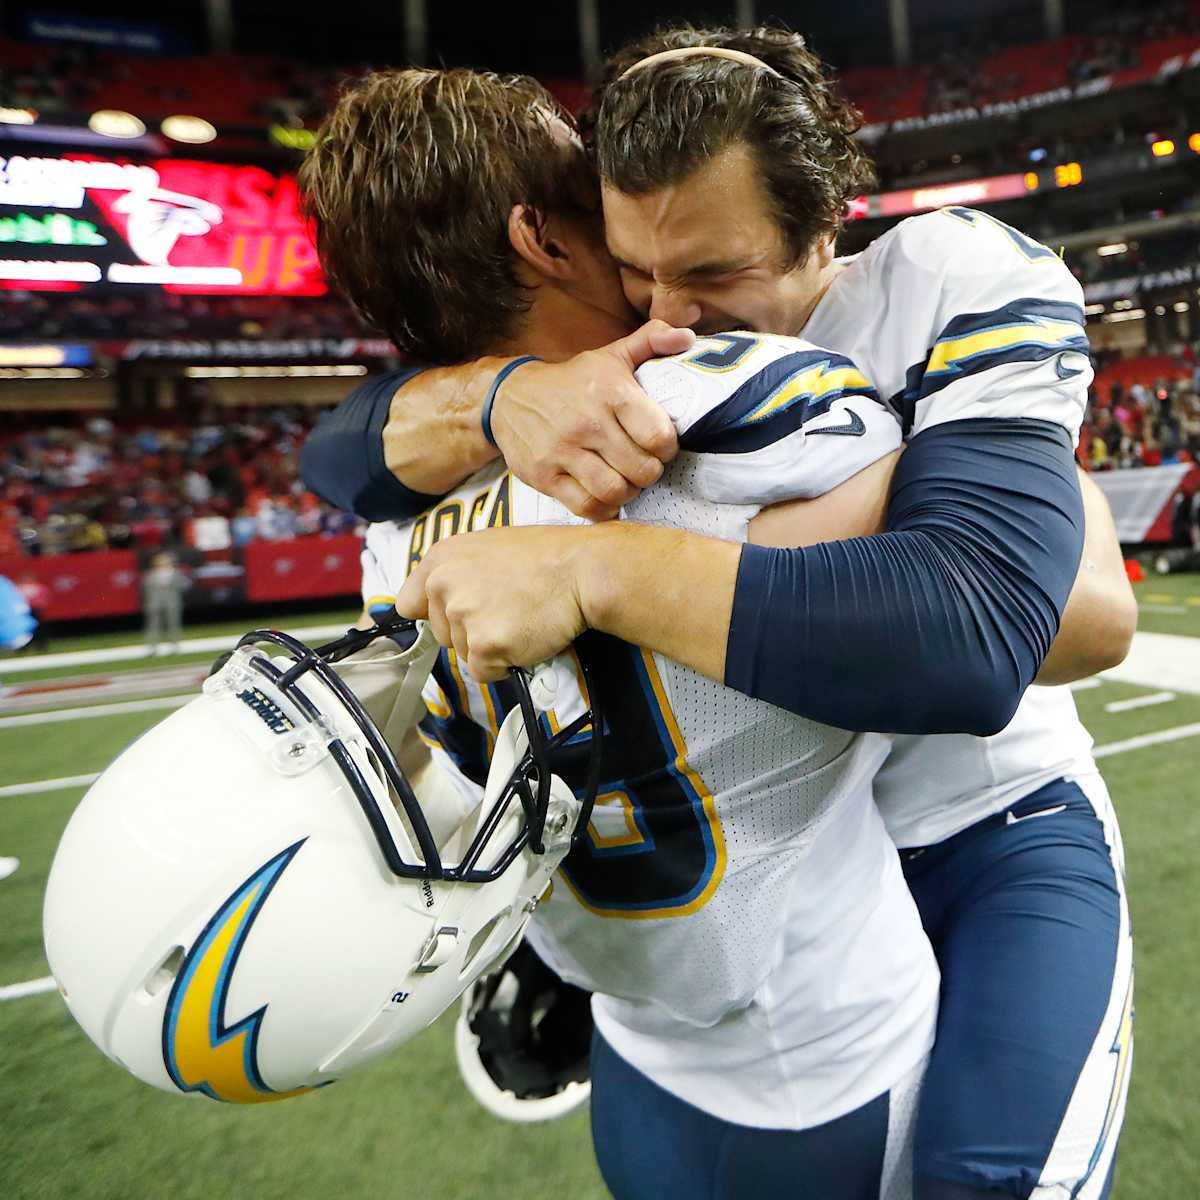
1025	913
651	1145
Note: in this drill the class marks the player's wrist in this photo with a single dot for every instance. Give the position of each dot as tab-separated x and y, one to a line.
487	412
594	563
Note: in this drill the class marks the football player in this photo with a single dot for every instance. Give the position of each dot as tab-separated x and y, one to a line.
726	170
765	996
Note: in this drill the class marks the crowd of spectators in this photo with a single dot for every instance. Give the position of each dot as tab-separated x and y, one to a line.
149	313
1113	39
211	486
1147	423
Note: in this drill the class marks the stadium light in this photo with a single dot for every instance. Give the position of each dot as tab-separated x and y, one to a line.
112	122
303	370
50	272
150	273
1163	148
1194	143
1112	248
293	139
1031	181
1181	306
41	373
1092	310
194	130
32	356
17	116
1132	314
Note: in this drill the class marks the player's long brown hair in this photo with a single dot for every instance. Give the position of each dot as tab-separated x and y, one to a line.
409	187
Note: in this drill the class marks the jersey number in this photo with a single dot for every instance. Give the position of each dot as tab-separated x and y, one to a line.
1027	246
667	855
723	351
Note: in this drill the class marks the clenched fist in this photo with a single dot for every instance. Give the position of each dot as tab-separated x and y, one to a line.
583	431
500	598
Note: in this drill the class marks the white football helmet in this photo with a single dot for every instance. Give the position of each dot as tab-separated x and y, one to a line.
252	901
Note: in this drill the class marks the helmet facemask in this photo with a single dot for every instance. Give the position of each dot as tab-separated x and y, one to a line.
289	691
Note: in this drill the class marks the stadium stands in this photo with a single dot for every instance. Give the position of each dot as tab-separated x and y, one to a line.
1144	412
247	90
162	315
212	485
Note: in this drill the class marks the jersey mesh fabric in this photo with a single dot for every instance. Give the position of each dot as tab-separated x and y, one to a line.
795	835
892	305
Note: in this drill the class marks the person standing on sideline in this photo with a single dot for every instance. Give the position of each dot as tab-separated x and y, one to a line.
163	585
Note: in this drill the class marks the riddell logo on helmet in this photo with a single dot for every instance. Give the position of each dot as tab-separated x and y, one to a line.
275	719
427	892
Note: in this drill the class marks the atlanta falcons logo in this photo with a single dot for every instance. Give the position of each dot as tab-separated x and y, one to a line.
158	219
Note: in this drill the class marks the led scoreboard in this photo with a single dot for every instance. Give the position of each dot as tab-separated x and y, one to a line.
80	222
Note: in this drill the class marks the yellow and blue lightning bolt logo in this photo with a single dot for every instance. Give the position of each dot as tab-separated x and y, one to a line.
782	398
1032	333
1122	1047
203	1053
816	388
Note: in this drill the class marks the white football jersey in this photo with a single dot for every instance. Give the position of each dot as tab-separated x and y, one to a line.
737	905
954	315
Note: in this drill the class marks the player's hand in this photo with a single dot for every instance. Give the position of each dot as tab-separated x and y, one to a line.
500	598
583	431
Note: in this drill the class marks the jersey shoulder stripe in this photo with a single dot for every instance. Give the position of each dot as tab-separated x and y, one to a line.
1028	329
776	402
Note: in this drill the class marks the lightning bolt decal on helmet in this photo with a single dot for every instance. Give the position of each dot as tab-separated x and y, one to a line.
255	899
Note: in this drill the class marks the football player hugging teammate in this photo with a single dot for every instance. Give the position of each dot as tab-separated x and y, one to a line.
767	767
929	600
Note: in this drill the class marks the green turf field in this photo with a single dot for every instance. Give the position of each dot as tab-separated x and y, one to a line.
1169	604
73	1125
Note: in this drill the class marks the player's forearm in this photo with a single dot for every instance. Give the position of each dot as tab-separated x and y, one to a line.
433	438
938	625
665	589
1101	614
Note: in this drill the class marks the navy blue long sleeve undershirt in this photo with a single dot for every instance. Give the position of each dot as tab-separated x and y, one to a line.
936	626
939	624
342	460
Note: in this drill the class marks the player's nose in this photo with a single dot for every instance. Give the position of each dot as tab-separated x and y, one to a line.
674	307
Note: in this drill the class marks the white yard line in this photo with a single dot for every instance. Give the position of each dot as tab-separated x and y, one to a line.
41	662
1174	609
34	987
1119	706
37	987
95	710
31	695
48	785
1147	739
1161	660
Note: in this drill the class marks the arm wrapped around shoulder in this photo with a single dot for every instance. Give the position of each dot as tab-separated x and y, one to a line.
342	460
939	624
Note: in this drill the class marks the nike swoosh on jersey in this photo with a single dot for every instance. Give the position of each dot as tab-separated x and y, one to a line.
855	428
1066	372
1042	812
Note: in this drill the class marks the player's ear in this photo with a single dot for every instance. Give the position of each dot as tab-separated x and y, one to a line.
541	241
825	254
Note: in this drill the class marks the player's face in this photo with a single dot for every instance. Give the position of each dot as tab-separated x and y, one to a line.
708	253
605	313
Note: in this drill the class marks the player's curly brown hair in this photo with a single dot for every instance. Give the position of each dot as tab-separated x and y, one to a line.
656	126
409	186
